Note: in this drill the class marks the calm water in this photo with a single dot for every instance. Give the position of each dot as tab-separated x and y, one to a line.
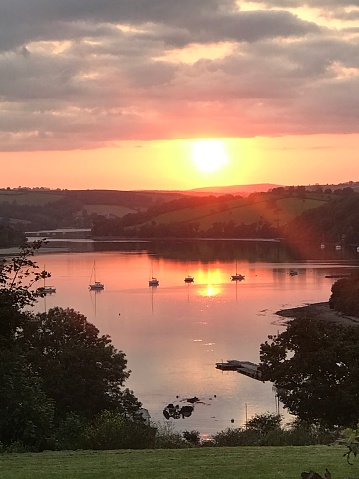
174	334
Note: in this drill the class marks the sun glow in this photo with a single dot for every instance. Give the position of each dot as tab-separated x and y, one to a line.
209	155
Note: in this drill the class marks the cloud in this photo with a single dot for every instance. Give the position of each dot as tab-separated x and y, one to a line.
88	74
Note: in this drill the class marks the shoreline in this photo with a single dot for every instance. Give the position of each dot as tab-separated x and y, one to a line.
319	311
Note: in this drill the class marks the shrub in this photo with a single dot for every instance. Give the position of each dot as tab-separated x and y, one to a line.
193	437
167	438
110	430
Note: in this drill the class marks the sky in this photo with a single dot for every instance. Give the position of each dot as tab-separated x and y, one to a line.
169	94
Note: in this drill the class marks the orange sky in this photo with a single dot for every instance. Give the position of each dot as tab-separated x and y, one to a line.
169	164
113	95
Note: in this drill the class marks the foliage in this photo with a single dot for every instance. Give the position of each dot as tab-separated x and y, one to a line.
264	423
193	437
76	364
26	413
350	438
345	295
315	368
335	221
167	438
52	364
10	236
18	278
111	430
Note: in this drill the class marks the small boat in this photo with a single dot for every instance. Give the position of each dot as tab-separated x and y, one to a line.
189	279
95	285
338	247
153	282
237	276
45	289
322	246
293	272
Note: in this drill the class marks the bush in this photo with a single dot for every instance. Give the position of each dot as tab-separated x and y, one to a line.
167	438
193	437
113	431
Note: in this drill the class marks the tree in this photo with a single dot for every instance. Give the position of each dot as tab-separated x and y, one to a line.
26	413
81	372
315	368
345	297
51	364
18	278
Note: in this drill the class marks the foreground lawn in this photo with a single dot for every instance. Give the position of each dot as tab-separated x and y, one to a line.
205	463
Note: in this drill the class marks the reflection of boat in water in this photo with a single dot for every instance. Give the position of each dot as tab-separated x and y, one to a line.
293	272
189	279
95	285
237	276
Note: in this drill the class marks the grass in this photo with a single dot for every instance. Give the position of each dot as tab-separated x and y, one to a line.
203	463
33	198
277	211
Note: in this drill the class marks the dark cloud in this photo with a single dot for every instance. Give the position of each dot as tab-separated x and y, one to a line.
80	74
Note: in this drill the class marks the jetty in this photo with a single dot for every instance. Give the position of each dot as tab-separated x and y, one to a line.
243	367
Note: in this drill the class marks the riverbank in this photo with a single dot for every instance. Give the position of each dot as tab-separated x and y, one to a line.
319	311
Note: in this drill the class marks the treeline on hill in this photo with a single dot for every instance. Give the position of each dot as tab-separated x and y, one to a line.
320	222
56	214
143	224
10	237
38	210
336	222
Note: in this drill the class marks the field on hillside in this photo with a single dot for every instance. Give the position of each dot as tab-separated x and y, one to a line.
116	210
31	198
275	210
202	463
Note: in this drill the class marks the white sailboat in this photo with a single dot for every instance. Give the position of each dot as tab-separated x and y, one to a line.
95	285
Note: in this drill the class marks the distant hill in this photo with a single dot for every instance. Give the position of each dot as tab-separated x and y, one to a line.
231	211
227	216
242	190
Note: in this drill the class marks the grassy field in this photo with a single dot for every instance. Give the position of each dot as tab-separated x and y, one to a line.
32	198
277	211
204	463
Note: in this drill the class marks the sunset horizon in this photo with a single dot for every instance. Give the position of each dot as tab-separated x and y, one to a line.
176	96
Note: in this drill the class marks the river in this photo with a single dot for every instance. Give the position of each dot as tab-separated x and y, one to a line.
174	334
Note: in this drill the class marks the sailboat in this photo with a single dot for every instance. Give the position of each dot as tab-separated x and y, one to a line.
189	279
46	289
237	276
153	281
96	285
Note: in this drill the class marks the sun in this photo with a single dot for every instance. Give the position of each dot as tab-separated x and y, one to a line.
209	155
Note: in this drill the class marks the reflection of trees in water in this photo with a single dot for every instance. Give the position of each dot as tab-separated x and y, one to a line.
220	250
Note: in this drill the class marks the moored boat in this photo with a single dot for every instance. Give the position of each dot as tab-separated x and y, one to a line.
189	279
95	285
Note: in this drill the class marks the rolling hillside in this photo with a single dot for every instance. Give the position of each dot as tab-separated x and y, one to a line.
264	207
